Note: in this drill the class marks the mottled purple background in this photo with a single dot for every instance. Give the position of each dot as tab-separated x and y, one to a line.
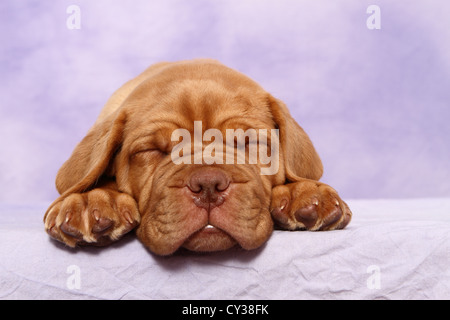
376	103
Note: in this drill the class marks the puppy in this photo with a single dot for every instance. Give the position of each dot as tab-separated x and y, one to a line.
139	167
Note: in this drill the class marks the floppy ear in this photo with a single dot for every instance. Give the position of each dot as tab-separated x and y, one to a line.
92	155
300	158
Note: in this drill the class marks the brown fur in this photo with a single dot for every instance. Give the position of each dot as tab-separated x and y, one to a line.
121	176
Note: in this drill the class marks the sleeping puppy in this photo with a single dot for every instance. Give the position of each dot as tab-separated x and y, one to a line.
196	155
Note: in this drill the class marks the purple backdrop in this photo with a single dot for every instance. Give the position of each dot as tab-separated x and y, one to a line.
376	103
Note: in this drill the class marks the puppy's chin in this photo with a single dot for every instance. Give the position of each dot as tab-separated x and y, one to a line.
209	239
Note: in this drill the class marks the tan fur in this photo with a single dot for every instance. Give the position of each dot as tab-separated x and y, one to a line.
120	176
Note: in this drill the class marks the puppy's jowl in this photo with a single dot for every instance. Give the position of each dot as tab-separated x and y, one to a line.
122	175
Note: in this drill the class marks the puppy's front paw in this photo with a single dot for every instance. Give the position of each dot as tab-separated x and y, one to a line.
97	217
309	205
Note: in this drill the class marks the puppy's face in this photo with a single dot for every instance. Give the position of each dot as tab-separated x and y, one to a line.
200	205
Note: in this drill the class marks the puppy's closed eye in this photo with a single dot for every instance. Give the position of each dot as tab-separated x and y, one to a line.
144	157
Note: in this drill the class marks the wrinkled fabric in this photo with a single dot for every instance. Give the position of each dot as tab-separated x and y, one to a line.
393	249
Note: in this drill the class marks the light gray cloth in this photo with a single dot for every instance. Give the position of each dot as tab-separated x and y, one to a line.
393	249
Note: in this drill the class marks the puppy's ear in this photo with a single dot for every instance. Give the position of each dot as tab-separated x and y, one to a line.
92	155
297	151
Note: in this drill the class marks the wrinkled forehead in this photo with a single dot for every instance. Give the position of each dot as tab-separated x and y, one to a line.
180	104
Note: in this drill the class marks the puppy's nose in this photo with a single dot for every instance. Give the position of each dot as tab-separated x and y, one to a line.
208	187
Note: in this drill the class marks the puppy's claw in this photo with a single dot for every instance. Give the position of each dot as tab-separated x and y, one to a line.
127	216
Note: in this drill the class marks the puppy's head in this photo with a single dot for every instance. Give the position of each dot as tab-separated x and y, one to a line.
189	144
